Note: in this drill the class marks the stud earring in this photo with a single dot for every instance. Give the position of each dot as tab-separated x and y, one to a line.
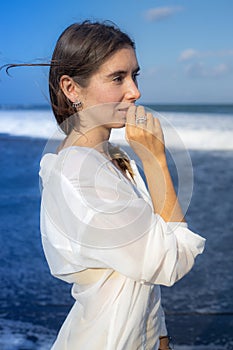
78	105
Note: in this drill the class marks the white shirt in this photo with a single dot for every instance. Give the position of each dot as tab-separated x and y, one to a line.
93	217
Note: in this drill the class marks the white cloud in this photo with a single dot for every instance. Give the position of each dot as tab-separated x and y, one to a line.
220	70
190	54
158	13
200	70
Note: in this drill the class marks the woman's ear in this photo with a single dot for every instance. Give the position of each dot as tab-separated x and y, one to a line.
69	88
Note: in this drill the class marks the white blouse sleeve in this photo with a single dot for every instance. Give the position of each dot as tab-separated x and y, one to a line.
92	217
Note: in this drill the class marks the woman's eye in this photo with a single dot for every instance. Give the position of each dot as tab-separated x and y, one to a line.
118	79
135	76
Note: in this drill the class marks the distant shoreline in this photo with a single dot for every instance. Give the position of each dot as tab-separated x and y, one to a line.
165	107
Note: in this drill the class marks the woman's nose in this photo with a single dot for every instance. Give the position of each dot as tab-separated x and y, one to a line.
132	92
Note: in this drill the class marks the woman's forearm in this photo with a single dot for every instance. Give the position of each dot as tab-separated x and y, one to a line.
161	188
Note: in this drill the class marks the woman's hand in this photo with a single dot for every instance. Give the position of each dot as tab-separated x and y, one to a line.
164	343
145	137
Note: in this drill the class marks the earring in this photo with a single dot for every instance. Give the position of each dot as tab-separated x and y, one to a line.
78	105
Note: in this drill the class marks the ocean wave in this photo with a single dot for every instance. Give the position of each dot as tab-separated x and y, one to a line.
190	130
17	335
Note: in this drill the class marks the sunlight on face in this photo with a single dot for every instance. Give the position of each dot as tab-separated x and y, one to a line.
115	83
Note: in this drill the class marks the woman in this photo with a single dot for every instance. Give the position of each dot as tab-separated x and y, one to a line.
101	229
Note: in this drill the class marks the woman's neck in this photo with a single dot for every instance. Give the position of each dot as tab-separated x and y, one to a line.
97	138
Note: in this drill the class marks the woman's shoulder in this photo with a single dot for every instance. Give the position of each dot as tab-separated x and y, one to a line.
82	160
71	161
85	163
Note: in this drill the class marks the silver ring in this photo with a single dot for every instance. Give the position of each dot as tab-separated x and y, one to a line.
141	120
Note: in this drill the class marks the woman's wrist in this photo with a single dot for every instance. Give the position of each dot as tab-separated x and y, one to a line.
161	189
159	162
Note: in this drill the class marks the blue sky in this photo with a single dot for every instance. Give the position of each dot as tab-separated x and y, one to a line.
184	47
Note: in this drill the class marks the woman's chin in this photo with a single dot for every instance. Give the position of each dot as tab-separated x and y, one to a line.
118	125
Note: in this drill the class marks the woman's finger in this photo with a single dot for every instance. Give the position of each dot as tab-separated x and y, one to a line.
150	122
159	131
130	122
141	117
130	117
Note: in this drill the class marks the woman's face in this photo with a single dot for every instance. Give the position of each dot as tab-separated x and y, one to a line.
115	83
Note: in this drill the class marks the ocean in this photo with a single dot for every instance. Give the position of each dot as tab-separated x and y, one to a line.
199	308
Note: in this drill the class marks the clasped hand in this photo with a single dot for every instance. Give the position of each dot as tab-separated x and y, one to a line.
144	135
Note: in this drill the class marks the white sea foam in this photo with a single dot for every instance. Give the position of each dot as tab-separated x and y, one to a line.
33	123
192	130
16	335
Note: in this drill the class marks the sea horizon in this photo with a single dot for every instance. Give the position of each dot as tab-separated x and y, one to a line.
191	107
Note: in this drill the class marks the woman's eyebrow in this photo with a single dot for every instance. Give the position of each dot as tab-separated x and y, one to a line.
122	72
117	72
